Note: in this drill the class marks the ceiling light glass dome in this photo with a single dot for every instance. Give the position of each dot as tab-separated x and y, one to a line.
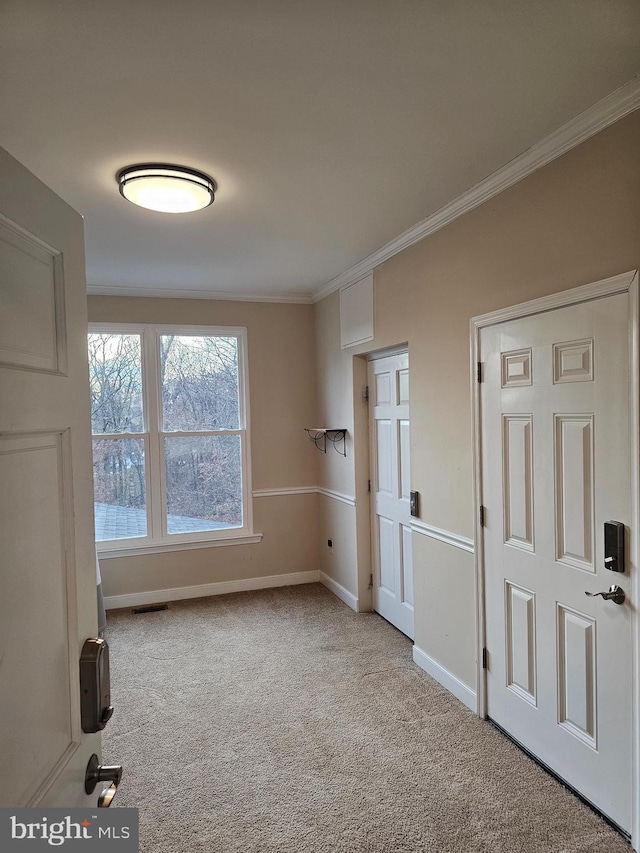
166	188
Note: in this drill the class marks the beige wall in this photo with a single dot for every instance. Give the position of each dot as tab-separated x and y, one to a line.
342	379
282	402
575	221
289	544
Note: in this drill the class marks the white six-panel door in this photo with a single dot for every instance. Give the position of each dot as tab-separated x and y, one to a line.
48	574
390	486
556	465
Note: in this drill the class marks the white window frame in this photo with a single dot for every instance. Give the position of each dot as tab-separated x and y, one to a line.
153	437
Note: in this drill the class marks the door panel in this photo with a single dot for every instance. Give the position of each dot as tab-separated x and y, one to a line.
390	486
383	387
34	526
31	334
407	565
577	674
404	459
574	496
517	466
403	385
521	641
48	582
555	395
387	554
384	456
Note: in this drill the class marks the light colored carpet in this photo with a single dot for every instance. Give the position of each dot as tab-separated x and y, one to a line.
280	720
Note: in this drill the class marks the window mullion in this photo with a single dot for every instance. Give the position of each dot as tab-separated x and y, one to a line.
117	435
200	432
247	503
243	374
245	423
151	382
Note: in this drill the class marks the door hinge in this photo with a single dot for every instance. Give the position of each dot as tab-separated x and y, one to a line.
479	371
368	485
484	658
371	581
482	516
366	394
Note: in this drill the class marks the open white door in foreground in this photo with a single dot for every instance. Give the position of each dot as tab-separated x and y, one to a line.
48	576
557	457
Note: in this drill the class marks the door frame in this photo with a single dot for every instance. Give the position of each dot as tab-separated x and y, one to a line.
625	283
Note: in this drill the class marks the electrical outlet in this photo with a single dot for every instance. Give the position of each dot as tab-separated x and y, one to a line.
330	545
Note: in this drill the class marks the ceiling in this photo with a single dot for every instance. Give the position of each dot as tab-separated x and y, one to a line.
330	127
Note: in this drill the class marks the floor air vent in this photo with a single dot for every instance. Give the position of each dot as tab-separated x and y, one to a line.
152	608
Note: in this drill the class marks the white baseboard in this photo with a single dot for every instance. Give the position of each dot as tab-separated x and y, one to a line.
451	682
156	596
339	591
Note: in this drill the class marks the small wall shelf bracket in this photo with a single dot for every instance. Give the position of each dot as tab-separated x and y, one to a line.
337	437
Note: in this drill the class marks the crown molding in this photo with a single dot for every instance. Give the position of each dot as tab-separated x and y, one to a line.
165	293
602	114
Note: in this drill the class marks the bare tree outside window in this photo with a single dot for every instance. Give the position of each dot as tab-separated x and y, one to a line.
204	480
199	377
115	381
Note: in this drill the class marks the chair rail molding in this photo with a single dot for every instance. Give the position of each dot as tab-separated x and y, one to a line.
446	536
337	496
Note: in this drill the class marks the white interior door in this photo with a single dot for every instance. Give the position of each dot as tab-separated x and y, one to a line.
556	462
390	486
48	577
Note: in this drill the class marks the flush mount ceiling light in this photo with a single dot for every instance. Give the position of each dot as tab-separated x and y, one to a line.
166	188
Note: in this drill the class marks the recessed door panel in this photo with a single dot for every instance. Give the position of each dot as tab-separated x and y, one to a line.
403	386
407	565
521	641
574	494
387	554
384	458
516	368
383	388
577	674
30	319
517	451
573	362
404	465
32	535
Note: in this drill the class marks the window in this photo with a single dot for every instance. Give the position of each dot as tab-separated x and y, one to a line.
170	440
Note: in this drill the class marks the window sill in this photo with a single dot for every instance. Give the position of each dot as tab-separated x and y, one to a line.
108	551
